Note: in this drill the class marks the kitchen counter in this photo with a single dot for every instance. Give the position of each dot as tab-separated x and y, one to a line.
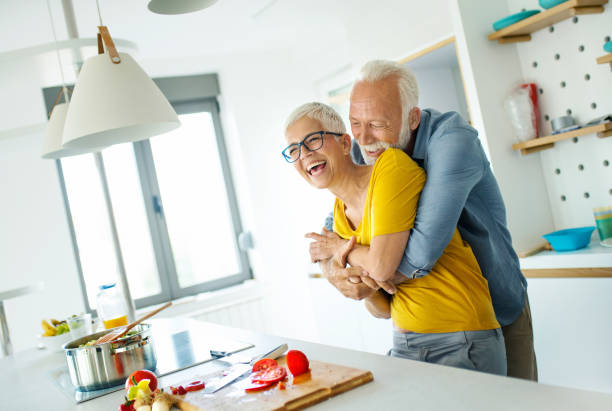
398	383
593	261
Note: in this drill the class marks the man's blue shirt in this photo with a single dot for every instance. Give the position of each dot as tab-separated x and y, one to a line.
461	191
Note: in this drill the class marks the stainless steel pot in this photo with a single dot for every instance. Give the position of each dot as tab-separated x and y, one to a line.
108	365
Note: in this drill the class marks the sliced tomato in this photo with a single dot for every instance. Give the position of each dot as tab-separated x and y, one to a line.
194	386
256	386
180	390
270	375
264	364
256	375
297	362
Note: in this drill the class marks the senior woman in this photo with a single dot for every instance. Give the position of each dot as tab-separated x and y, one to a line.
445	317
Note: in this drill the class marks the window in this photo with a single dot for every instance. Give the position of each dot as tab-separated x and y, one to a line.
174	206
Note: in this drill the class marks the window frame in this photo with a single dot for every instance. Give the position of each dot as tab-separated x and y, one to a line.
187	94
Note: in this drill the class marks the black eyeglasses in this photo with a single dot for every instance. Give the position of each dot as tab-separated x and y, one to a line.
312	142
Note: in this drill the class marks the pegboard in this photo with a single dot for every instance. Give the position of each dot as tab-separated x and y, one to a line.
561	60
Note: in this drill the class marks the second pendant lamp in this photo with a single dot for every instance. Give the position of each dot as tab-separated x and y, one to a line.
114	101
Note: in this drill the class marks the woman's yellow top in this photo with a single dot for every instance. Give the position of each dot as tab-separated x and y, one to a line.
454	296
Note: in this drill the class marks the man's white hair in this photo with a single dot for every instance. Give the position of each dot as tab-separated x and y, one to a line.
328	117
377	70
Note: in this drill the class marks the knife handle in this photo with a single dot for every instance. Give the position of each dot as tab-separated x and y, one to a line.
274	354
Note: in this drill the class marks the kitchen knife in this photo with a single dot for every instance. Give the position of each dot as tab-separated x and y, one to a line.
238	371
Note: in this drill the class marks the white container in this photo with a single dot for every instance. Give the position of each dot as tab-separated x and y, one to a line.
112	309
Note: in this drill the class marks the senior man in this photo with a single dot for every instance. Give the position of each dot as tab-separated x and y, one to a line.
461	191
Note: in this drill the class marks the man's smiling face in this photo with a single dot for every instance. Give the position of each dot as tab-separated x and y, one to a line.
375	116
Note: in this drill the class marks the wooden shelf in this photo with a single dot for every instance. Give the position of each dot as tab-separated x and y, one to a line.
522	30
605	59
581	272
543	143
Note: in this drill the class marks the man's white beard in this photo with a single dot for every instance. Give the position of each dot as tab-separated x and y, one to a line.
402	143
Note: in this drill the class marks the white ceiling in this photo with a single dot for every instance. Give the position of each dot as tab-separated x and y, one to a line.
229	26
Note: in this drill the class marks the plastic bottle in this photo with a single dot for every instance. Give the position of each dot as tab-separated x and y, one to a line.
112	309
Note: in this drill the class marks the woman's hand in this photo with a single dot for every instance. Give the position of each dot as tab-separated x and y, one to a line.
325	245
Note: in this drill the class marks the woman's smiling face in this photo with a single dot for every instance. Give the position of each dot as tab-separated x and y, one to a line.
317	167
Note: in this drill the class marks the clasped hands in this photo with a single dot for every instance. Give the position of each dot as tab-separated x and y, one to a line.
353	282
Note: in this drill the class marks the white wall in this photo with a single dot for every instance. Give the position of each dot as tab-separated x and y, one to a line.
35	243
438	89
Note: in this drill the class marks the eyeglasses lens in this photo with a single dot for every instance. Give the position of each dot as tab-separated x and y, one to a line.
311	143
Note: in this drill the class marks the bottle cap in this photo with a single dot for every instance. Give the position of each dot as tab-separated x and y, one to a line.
107	286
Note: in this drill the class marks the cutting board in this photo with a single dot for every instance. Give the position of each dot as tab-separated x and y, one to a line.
322	382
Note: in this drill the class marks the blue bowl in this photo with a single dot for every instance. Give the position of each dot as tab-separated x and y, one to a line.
608	46
547	4
513	18
570	239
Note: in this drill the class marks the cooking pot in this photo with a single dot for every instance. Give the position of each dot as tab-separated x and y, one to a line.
109	364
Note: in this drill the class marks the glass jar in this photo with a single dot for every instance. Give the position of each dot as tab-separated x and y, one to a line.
112	309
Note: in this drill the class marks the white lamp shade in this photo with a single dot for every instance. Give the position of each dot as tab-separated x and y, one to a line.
52	145
178	6
115	103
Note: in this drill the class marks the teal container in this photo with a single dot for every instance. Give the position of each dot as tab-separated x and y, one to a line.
513	18
570	239
603	221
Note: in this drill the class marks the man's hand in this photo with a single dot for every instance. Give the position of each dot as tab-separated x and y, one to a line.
388	286
325	245
347	280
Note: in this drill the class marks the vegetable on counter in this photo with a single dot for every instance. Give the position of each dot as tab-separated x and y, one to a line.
264	364
297	362
139	375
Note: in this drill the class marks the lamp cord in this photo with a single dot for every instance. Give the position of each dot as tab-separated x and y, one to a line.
99	14
57	53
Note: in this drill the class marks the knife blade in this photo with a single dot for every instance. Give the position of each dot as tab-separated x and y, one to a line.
238	371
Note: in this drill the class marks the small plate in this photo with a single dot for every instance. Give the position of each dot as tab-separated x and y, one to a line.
513	18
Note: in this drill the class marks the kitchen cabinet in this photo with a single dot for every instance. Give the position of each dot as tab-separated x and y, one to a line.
569	297
398	383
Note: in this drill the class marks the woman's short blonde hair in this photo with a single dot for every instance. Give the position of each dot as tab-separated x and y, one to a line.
328	117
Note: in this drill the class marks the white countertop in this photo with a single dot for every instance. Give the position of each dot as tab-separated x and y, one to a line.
398	383
594	256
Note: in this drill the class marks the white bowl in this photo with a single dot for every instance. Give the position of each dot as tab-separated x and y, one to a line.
55	342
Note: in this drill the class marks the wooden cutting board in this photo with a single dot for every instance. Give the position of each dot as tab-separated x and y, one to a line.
324	381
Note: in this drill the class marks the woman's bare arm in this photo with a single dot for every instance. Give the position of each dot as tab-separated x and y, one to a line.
381	259
378	305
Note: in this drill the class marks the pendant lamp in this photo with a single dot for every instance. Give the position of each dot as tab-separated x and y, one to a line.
114	101
52	145
178	6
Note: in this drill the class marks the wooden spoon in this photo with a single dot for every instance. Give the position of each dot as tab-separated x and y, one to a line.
120	332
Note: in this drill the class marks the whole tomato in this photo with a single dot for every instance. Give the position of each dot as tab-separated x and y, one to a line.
136	376
297	362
